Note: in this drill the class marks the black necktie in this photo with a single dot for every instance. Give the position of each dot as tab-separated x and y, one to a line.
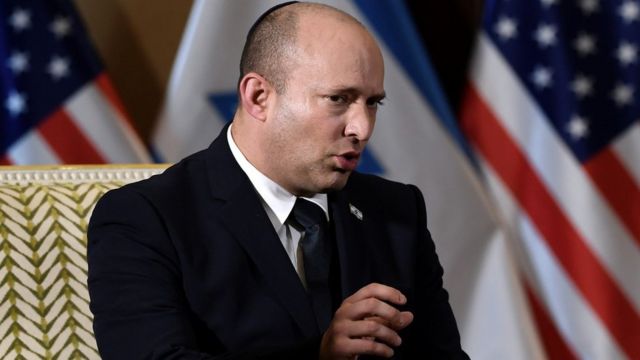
316	252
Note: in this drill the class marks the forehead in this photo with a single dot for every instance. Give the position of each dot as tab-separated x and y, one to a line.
337	53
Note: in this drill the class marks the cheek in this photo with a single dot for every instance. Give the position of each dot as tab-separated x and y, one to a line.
327	127
318	141
292	144
307	134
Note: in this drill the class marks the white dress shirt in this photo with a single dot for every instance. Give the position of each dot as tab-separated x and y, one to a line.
278	203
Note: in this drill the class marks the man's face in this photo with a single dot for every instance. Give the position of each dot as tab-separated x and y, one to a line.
323	120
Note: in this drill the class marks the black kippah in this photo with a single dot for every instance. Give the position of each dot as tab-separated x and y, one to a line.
265	14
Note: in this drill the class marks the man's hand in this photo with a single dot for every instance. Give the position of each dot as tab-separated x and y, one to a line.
366	324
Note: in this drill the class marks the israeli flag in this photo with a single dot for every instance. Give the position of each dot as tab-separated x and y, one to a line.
416	141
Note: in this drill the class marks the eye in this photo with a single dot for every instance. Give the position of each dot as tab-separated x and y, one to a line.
338	99
374	103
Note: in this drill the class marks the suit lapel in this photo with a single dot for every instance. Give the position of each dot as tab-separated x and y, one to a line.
351	245
247	221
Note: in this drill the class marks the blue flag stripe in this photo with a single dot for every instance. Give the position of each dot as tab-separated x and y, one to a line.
394	25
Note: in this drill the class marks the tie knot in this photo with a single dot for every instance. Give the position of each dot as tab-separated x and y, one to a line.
308	214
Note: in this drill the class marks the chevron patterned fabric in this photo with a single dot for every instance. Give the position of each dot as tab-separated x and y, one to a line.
44	302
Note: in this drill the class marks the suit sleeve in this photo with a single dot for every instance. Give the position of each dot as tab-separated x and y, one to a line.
435	323
135	285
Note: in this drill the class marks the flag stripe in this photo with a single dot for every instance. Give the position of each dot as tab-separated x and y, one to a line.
393	25
553	113
561	173
579	325
617	185
101	124
106	87
32	149
68	142
53	69
593	281
123	121
554	343
628	150
4	160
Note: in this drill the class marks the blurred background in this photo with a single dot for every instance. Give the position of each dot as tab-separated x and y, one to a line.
138	41
518	119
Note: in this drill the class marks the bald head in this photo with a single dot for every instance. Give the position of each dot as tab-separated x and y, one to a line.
270	49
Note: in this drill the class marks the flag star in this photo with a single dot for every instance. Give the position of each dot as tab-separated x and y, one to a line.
18	62
541	77
506	28
578	127
582	86
545	35
629	11
15	103
622	94
548	3
588	7
58	67
20	19
627	53
61	26
585	44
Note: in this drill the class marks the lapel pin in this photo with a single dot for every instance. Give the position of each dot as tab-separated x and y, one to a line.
355	211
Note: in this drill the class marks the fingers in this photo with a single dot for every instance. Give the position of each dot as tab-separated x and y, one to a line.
404	318
373	307
373	301
336	345
370	329
378	291
370	347
366	323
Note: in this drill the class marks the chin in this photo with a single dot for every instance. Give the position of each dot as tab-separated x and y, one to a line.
337	183
322	183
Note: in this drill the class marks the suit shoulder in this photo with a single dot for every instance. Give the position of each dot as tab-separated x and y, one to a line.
180	174
169	186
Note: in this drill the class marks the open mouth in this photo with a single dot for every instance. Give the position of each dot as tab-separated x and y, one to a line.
348	161
351	156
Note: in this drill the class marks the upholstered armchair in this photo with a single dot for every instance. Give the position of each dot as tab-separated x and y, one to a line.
44	213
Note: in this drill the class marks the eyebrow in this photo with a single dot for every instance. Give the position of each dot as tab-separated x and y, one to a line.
353	90
380	96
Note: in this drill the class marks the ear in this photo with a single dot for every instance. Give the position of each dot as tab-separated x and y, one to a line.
254	93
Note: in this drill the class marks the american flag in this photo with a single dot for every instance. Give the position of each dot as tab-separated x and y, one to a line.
553	112
56	103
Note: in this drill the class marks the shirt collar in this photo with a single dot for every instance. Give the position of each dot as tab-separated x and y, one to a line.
277	198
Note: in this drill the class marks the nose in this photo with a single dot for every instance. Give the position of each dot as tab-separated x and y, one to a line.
360	122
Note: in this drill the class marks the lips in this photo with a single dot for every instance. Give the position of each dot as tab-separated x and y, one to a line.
348	161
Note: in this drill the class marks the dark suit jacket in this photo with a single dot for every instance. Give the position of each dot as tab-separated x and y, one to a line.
186	265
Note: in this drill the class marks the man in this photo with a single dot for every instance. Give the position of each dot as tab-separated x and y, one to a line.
268	245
